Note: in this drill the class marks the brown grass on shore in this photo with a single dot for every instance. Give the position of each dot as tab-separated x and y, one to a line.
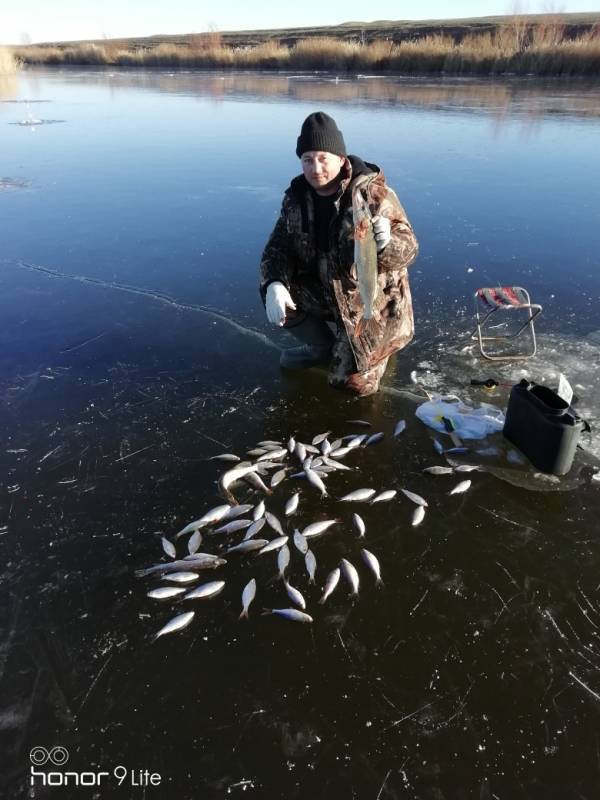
513	48
9	63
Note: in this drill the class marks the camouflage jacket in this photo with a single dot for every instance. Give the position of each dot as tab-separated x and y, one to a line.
291	256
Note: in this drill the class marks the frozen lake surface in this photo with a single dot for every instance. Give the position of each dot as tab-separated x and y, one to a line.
135	348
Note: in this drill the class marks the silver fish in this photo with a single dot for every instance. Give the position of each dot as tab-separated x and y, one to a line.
374	438
233	526
438	446
291	445
225	457
356	441
248	546
359	422
350	574
325	447
165	592
329	462
300	542
212	516
248	596
231	476
278	477
416	498
340	452
295	595
358	495
205	590
290	613
274	523
335	445
310	448
365	259
274	544
200	561
283	560
439	470
257	451
461	487
300	451
317	528
359	524
389	494
180	577
273	455
259	510
257	482
194	542
256	526
400	427
418	515
311	565
176	624
269	443
168	547
316	481
320	437
330	584
292	504
237	511
466	468
372	562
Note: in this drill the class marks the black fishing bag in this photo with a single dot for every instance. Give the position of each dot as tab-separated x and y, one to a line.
543	426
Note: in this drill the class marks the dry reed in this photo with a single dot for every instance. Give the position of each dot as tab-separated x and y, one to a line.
516	47
9	63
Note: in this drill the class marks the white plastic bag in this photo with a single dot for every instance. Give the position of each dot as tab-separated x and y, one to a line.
469	423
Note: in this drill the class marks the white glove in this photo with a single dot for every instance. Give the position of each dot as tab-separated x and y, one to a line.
382	230
278	299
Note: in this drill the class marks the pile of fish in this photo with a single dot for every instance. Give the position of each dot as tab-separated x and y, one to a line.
273	464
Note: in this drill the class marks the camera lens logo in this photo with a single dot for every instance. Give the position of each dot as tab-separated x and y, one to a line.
58	756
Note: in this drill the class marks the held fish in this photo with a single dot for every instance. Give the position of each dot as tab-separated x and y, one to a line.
365	259
290	613
295	595
461	487
359	524
373	564
350	574
205	591
178	623
332	581
248	596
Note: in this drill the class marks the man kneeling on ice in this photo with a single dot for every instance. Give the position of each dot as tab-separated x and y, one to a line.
339	254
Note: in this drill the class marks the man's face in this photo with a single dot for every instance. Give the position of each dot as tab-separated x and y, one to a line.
322	170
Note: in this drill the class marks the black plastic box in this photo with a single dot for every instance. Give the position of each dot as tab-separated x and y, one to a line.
543	426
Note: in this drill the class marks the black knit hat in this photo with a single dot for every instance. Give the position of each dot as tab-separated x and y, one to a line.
319	132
